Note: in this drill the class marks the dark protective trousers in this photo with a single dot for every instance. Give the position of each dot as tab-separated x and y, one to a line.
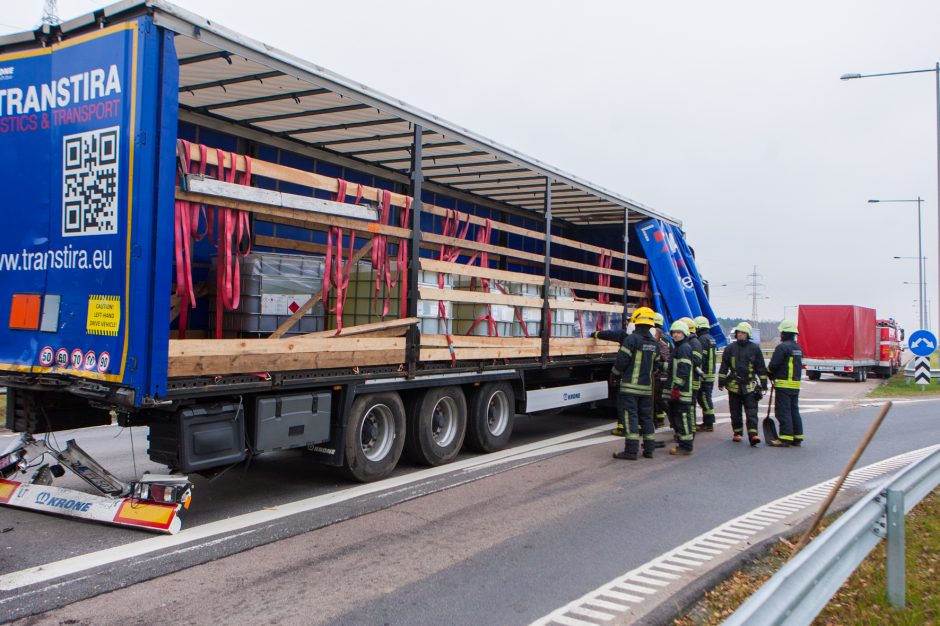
704	398
637	414
787	410
683	422
747	402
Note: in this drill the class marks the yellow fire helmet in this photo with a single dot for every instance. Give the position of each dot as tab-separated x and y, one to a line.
689	322
644	315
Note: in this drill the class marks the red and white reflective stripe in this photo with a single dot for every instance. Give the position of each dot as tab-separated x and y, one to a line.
128	512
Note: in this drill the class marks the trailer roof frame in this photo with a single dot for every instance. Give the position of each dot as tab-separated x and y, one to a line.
349	109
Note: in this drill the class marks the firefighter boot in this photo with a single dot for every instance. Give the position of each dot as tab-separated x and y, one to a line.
754	440
704	428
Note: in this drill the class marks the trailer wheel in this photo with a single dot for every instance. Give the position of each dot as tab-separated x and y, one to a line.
437	424
813	375
375	434
492	413
857	374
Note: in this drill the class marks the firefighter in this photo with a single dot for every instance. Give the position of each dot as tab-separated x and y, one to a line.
635	366
680	389
660	392
742	366
704	398
785	370
696	360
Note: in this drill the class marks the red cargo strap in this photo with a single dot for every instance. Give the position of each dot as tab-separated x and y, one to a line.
450	228
185	230
380	260
333	274
603	280
234	230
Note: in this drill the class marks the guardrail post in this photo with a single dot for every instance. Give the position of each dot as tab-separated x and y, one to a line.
895	548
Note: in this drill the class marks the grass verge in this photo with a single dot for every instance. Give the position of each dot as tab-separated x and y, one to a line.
862	600
898	385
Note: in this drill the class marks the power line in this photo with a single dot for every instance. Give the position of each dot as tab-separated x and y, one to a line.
755	293
50	13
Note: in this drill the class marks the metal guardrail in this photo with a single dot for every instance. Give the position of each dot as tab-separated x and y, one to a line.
802	588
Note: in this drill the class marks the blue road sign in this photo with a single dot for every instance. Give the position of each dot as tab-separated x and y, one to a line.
922	342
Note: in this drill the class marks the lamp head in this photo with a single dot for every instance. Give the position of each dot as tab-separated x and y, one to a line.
849	76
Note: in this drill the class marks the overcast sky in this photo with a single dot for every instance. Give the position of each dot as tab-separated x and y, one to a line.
727	115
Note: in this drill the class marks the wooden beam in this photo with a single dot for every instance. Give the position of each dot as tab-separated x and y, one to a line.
303	216
460	269
586	287
464	244
327	183
399	326
291	175
289	244
478	297
585	305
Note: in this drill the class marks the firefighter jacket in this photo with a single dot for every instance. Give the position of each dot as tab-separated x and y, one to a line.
680	370
696	346
709	349
740	364
636	362
786	365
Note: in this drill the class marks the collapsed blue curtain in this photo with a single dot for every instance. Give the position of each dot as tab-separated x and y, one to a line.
677	286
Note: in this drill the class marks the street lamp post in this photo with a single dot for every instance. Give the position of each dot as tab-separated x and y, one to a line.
922	290
936	72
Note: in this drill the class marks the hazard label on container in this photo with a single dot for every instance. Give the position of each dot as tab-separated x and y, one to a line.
104	315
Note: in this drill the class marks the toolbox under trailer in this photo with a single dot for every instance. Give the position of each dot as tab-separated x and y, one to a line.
485	270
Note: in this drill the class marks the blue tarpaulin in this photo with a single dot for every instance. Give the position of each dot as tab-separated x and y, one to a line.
677	286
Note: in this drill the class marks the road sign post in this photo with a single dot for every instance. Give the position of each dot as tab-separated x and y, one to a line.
922	343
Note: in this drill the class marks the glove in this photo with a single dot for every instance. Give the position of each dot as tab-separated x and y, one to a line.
612	380
721	387
763	386
675	395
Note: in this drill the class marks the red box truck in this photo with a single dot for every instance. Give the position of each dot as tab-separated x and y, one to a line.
848	340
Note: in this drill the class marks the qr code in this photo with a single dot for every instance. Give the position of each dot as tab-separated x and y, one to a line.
90	182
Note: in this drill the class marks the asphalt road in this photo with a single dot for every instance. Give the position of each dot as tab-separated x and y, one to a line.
501	544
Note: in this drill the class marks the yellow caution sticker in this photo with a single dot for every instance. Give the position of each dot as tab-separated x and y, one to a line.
104	315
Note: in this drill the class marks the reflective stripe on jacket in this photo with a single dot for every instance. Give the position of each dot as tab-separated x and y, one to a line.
786	365
696	346
680	370
708	356
740	364
636	362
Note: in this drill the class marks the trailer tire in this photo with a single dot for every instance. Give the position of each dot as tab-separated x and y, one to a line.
437	425
375	435
813	375
492	414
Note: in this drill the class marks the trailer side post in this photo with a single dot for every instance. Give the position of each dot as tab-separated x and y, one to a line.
626	265
546	312
413	337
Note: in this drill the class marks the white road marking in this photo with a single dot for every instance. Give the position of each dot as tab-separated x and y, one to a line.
626	597
80	563
798	501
